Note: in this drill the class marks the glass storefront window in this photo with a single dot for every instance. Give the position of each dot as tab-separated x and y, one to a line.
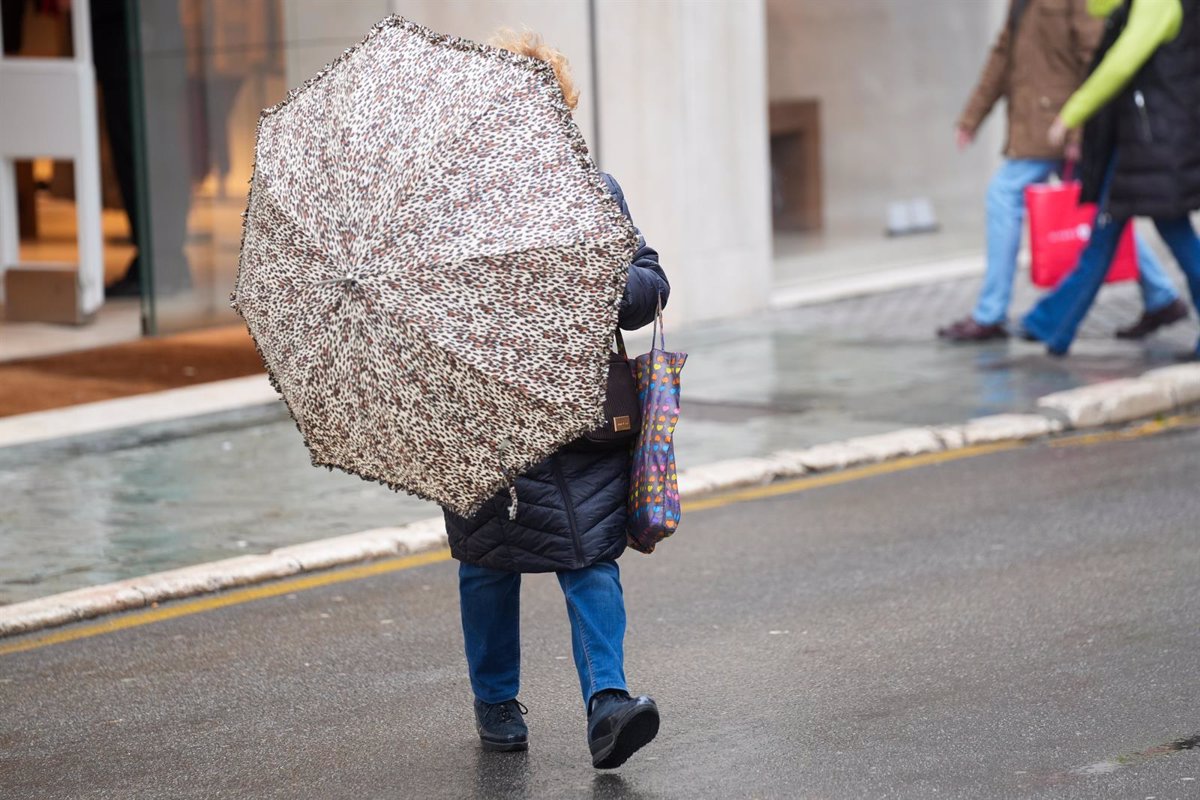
205	68
864	95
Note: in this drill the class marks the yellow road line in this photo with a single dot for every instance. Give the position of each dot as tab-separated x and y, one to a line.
183	608
845	476
1141	431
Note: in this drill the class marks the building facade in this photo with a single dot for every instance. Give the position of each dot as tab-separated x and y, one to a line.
763	144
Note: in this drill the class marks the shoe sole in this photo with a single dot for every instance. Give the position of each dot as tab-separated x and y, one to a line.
503	747
637	731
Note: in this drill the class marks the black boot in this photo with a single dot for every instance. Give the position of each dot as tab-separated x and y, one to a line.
500	725
619	726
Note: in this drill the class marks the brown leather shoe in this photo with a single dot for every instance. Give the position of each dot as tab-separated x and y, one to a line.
1153	320
968	330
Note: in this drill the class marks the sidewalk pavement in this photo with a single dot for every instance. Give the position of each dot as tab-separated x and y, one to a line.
127	369
105	507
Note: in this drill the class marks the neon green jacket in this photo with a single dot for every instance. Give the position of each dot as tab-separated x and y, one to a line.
1152	23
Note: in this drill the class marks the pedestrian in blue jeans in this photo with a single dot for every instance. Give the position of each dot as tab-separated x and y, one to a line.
1141	151
567	516
1056	318
1005	221
1041	55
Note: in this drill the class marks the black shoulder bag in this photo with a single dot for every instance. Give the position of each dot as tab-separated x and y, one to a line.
622	411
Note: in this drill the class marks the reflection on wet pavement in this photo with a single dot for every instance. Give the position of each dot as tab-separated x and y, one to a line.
788	379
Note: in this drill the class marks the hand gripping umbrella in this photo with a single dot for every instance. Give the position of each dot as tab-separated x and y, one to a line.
431	265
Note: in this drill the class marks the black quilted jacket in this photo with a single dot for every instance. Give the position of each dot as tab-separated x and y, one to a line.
571	507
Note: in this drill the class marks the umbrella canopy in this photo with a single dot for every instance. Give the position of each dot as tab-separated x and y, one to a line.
431	264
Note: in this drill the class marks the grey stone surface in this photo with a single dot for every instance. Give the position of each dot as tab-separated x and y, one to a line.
835	455
897	444
1111	402
1183	380
729	474
1007	427
114	507
995	627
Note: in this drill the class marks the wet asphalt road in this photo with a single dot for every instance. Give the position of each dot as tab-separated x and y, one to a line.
1022	624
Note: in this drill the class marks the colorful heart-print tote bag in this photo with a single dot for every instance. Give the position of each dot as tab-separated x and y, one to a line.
654	507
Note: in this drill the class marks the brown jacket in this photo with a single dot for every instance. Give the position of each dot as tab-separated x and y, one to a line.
1036	71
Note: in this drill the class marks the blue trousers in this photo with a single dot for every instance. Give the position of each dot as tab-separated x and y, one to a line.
491	615
1005	221
1057	316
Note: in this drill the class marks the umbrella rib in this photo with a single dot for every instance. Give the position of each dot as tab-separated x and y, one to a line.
563	433
265	195
336	105
443	144
429	168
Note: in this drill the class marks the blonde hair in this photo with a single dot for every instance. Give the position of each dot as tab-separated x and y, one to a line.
528	43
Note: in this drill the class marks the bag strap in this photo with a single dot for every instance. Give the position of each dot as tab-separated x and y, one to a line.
659	335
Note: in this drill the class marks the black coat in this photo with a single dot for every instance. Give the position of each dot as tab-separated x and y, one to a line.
1152	127
571	507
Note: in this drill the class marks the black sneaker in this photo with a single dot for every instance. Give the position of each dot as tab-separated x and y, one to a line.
500	725
619	726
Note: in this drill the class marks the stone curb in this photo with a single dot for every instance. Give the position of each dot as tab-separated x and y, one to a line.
82	604
1157	392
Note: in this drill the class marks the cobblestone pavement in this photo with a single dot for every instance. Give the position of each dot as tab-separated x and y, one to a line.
751	386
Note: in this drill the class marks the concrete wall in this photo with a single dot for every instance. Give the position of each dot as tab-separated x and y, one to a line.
681	117
683	127
891	77
317	29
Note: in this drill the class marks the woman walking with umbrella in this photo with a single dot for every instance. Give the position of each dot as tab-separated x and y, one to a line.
567	516
434	270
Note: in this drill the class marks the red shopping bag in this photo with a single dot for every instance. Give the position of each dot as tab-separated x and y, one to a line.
1059	228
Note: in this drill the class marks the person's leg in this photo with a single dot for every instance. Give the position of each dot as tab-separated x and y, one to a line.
1157	290
111	55
1005	218
1056	317
1160	298
1185	246
491	619
618	725
596	607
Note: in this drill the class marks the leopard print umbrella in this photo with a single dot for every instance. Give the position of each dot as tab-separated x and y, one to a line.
431	265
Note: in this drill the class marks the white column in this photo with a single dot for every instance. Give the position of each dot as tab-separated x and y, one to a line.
88	197
683	126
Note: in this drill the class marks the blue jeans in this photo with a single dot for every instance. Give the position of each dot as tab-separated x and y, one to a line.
1057	316
491	617
1005	220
